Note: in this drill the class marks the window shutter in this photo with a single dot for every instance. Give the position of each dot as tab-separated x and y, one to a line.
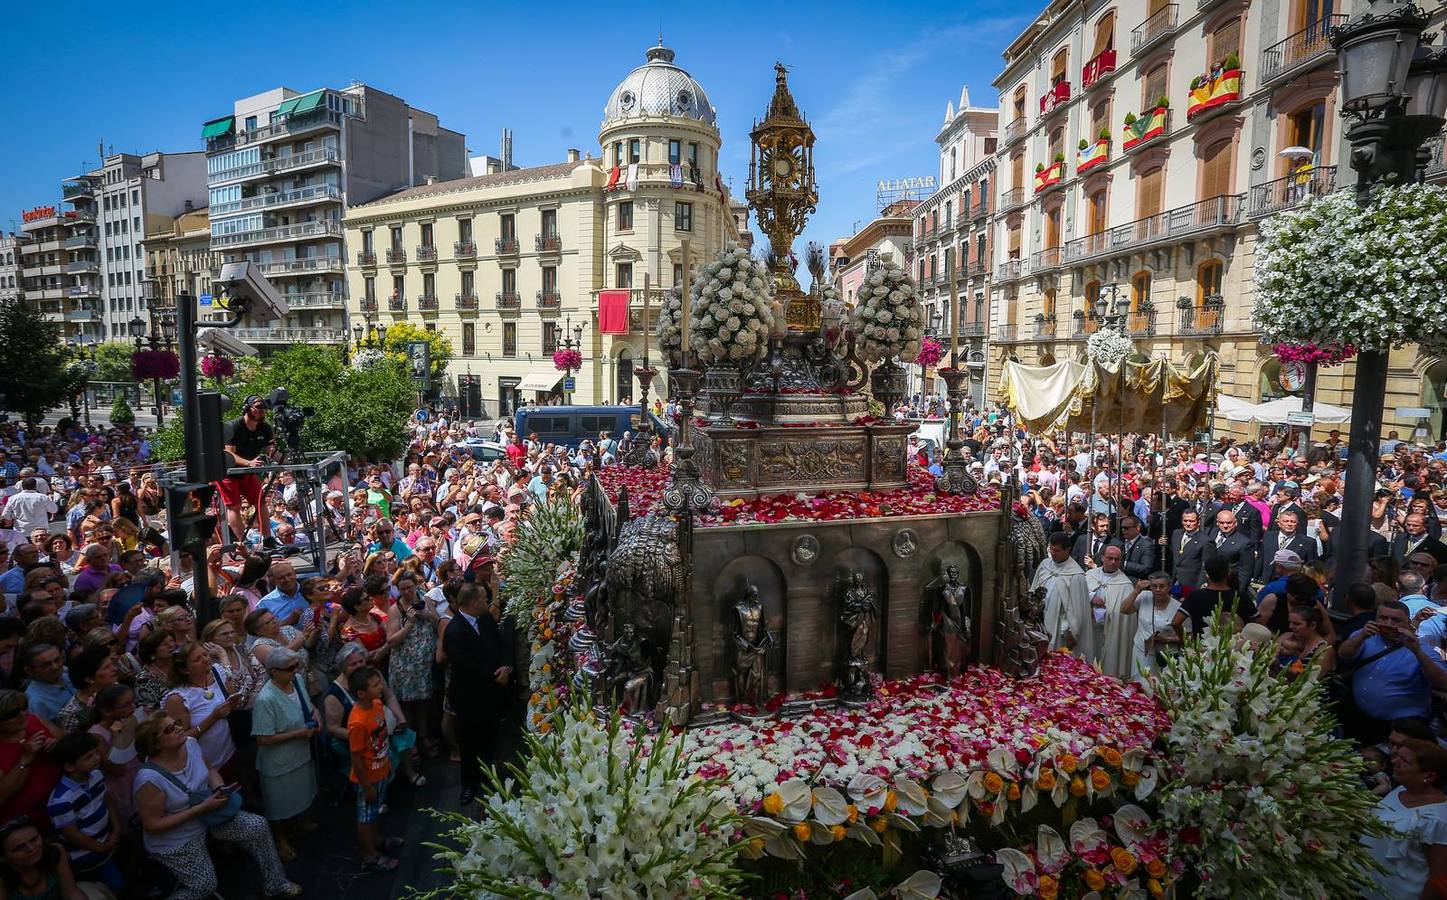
1216	170
1225	41
1149	199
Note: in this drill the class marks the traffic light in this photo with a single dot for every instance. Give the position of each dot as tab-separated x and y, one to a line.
188	512
210	411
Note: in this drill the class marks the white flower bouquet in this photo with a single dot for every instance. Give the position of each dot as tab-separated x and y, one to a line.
1108	347
592	813
670	322
1375	278
887	316
1263	801
730	315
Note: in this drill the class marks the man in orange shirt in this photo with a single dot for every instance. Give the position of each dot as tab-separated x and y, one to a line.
371	767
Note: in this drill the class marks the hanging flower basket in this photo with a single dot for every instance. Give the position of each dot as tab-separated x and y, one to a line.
567	360
1322	354
217	367
152	364
1330	273
930	352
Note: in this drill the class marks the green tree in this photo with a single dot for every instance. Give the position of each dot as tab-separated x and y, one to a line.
113	361
37	371
121	412
403	333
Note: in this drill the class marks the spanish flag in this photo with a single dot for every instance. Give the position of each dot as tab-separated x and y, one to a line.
1049	176
1212	92
1093	155
1149	125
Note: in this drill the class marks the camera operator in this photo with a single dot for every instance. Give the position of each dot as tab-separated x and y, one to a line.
249	442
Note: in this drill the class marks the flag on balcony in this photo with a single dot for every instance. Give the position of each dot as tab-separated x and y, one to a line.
1093	155
1049	176
613	311
612	179
1149	125
1224	87
675	175
633	176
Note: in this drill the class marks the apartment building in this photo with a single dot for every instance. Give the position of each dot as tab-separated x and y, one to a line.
59	272
179	261
507	264
114	206
12	278
952	228
852	259
283	167
1145	142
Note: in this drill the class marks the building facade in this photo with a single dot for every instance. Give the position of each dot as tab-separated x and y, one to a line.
179	261
115	206
951	228
59	272
509	264
1144	143
12	272
283	167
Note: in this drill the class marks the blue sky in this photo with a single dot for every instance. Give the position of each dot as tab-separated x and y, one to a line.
873	78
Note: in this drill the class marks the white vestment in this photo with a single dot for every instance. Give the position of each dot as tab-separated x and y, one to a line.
1113	637
1067	605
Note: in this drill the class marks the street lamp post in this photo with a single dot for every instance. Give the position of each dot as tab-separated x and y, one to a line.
1394	91
1113	315
573	343
161	339
931	330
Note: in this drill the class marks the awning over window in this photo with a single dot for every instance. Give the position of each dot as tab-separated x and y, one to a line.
217	127
540	381
308	103
285	108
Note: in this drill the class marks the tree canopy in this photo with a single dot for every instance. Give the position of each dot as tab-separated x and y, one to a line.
403	333
113	361
37	371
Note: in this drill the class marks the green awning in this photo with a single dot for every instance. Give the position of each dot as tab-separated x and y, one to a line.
308	103
285	108
217	127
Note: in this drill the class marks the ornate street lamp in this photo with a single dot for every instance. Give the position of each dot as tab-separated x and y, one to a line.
160	338
1394	91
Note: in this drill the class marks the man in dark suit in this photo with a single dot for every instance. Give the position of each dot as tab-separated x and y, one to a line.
1138	552
1416	539
1178	501
1090	544
477	653
1209	501
1248	517
1185	553
1286	501
1239	552
1073	522
1285	535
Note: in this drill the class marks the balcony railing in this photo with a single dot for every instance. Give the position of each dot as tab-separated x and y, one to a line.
1310	46
1215	214
1153	29
426	253
1055	98
366	258
396	303
972	329
74	189
1293	190
464	249
980	209
549	299
318	300
427	302
1094	72
291	335
548	243
466	300
396	255
1085	326
80	242
1010	269
299	266
368	304
322	228
1436	161
979	267
1045	329
1015	131
82	290
290	125
315	194
1012	198
82	266
1141	323
1045	260
1005	333
1201	320
81	215
506	246
276	164
509	300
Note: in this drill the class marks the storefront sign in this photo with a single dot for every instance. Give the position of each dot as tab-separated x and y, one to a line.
38	212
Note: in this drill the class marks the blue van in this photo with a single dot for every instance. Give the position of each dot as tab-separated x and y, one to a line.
569	426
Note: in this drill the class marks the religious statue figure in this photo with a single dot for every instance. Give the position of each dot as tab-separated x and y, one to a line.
752	641
630	672
1022	637
860	617
950	624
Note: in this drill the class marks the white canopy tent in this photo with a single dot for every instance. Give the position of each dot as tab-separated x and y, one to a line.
1275	412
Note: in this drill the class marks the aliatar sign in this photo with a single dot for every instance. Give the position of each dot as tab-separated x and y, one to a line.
39	212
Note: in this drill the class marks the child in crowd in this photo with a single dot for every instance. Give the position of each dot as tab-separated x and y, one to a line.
83	812
371	768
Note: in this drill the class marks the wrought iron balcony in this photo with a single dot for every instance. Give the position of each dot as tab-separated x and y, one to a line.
506	246
509	300
1202	320
318	300
1222	213
1293	190
1011	269
549	299
464	249
368	304
548	243
366	258
1045	328
1015	131
980	209
979	267
1141	323
427	302
971	329
396	256
1012	198
1085	326
1309	47
1005	333
318	193
1161	24
396	302
466	300
426	253
1045	260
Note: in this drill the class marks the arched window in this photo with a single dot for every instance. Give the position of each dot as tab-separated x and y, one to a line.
1306	128
1208	280
1104	34
1092	294
1058	64
1140	290
1216	170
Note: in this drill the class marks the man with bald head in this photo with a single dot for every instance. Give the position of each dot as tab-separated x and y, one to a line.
1108	586
1227	541
285	600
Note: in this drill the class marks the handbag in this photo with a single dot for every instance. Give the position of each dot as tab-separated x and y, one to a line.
219	816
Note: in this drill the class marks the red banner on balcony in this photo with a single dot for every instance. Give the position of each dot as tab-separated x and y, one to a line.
613	311
1097	68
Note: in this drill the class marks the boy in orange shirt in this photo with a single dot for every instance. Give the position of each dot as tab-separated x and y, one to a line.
371	767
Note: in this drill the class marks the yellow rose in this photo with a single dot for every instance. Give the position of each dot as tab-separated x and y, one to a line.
1014	792
852	812
535	699
1048	887
837	832
1099	779
547	667
545	728
1066	764
1094	879
773	804
993	783
1129	778
1155	887
1077	787
1045	780
1156	869
1111	756
1124	861
803	832
879	824
890	801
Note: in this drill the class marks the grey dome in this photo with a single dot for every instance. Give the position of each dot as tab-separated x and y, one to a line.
658	88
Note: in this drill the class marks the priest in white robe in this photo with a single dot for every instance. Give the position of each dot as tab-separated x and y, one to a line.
1108	588
1067	603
